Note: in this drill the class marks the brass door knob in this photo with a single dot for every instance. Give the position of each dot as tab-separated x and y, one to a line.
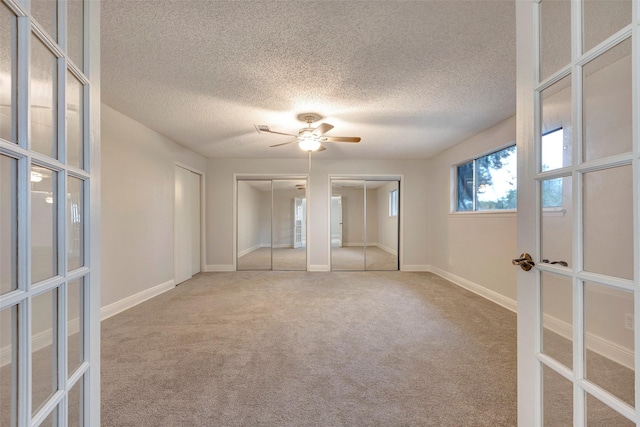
525	262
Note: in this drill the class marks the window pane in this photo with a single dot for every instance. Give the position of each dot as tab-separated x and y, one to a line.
557	317
555	36
465	187
608	222
46	13
496	180
76	405
75	121
555	126
607	103
8	366
44	315
75	324
554	147
601	415
75	30
609	345
556	220
75	223
603	18
557	400
44	89
8	64
44	237
8	224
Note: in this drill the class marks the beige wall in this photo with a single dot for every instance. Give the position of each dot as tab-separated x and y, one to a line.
220	173
477	247
137	205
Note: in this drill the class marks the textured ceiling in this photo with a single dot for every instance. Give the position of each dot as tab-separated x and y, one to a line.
410	77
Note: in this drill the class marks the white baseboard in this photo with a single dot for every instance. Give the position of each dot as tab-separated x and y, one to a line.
602	346
218	267
318	268
595	343
249	250
493	296
133	300
416	267
388	249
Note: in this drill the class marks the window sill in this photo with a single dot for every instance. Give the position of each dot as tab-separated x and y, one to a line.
491	214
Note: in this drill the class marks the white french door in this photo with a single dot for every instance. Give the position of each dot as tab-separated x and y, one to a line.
49	204
299	221
578	212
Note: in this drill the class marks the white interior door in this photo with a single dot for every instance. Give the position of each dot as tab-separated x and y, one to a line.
578	212
186	224
196	228
49	213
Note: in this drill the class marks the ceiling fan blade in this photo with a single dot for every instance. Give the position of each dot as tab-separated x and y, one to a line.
284	143
340	139
265	129
322	129
322	148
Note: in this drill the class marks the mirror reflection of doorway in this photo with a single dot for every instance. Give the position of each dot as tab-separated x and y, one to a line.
364	224
271	224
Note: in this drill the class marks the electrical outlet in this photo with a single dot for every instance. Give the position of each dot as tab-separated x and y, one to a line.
628	321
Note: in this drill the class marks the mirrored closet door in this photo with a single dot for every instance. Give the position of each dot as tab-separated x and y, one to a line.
364	224
271	224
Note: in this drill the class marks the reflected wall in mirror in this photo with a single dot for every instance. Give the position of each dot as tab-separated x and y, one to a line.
272	224
364	224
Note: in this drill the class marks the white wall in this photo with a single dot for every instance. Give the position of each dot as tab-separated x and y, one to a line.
220	174
137	205
477	247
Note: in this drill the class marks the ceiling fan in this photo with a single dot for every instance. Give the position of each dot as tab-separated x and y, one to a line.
309	138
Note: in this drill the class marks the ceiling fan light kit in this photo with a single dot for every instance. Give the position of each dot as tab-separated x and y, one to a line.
309	138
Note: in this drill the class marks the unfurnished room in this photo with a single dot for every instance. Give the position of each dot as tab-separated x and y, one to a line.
319	213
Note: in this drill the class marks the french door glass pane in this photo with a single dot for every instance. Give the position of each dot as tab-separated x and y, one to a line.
556	220
555	36
44	90
8	64
75	324
75	32
76	405
8	224
254	225
555	128
52	419
608	222
75	223
603	18
44	315
607	109
8	366
557	314
557	399
46	13
605	309
600	415
75	121
44	236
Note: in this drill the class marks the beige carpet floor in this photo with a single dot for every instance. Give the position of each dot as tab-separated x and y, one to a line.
284	259
354	258
311	349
